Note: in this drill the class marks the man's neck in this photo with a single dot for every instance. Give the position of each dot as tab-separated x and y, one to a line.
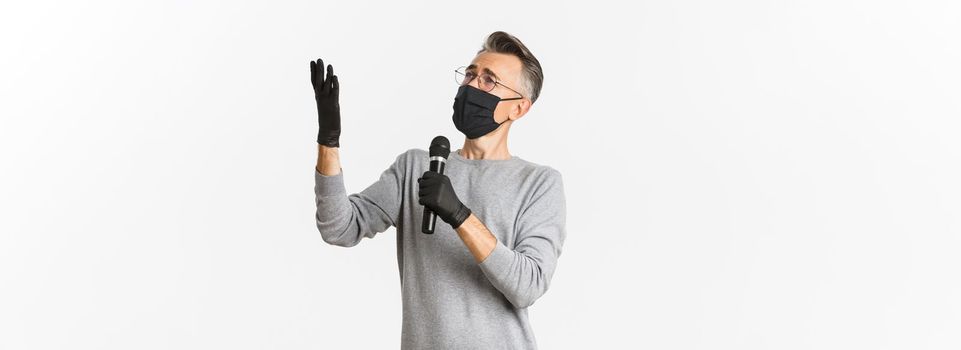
491	146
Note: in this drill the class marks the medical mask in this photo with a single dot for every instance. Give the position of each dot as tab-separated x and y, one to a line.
474	111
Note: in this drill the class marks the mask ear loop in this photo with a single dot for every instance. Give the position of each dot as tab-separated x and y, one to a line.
508	99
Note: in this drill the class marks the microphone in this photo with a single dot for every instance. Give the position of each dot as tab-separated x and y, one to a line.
439	150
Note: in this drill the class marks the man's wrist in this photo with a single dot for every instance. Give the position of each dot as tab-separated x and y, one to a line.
328	160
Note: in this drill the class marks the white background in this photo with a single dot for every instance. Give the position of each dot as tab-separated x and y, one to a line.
739	175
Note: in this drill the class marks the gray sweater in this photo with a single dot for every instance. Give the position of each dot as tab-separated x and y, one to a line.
449	300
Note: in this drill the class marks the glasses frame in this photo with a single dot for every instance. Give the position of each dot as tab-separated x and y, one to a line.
461	72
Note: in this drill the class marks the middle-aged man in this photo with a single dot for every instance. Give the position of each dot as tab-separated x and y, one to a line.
468	285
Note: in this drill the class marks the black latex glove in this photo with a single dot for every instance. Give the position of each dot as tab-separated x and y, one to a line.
436	193
326	93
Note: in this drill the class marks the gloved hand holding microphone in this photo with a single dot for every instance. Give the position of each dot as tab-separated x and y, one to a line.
437	193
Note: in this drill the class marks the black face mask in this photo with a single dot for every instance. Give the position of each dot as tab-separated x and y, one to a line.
474	111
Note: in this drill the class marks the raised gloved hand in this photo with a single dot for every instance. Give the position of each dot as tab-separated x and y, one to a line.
326	93
436	192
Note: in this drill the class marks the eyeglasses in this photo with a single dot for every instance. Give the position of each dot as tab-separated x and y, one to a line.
485	81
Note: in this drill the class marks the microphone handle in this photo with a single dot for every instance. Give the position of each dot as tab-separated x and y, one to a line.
430	219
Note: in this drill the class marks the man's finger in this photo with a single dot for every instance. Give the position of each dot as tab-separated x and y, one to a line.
324	82
330	77
320	71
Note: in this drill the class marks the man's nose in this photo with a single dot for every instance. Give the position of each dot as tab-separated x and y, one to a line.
475	82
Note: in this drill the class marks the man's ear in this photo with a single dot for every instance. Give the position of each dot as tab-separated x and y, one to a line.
519	109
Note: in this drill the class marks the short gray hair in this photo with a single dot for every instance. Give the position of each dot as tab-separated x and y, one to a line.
533	76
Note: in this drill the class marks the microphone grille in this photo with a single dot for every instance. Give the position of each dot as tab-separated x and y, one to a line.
440	147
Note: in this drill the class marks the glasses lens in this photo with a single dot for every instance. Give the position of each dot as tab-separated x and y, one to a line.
459	76
487	82
462	76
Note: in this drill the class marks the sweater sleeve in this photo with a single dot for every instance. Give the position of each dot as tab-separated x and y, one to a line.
524	273
343	220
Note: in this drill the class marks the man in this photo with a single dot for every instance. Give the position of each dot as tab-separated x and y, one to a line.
468	285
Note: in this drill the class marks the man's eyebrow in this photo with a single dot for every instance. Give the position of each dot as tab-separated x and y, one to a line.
486	70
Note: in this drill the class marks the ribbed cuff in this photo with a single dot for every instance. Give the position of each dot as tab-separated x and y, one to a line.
326	186
497	262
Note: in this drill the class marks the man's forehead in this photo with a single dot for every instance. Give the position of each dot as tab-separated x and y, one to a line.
501	65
